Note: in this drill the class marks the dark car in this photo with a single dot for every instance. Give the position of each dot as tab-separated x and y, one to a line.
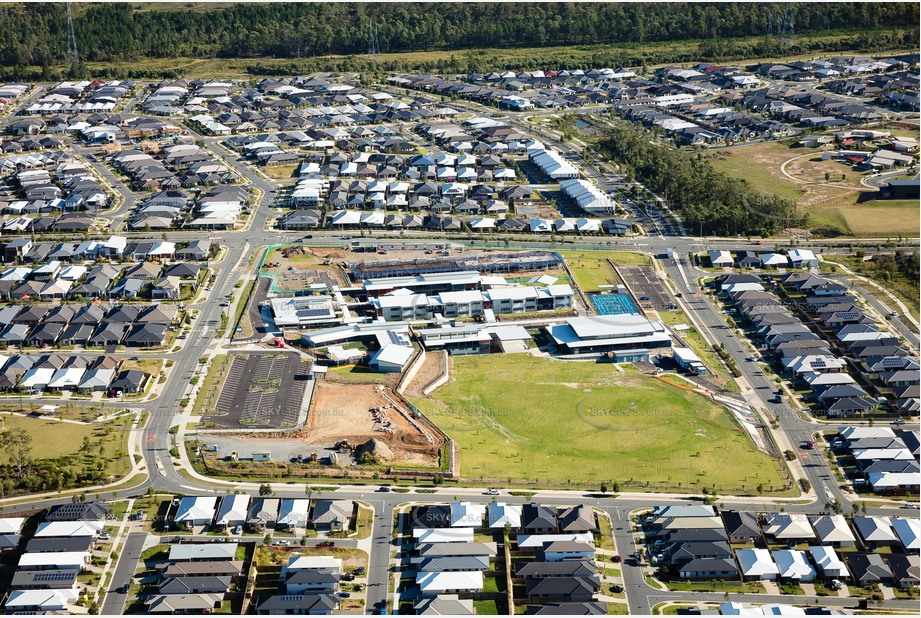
359	571
326	544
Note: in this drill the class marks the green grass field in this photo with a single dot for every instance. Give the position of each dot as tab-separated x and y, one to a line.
591	270
585	423
50	438
100	444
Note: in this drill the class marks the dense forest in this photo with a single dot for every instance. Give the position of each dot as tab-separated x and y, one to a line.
710	202
35	34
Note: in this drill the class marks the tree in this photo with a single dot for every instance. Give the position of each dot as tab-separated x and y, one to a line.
17	443
266	490
604	488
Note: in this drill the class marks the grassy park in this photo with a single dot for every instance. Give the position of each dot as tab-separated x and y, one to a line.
590	269
76	447
584	423
838	202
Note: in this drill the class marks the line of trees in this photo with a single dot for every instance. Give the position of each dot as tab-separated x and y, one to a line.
35	33
709	201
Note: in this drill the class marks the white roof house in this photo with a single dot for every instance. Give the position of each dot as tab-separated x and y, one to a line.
748	286
53	560
294	513
449	581
11	525
67	377
233	510
784	526
501	514
833	530
443	535
908	531
185	552
538	540
69	529
37	378
40	600
721	258
757	563
794	565
303	563
803	258
196	510
467	514
858	433
828	561
683	510
773	259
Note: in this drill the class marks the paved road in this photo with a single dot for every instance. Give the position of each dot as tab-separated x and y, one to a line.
241	245
114	604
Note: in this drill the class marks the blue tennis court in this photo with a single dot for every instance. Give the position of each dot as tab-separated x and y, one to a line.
613	304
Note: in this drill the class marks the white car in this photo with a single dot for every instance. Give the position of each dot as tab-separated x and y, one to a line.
492	492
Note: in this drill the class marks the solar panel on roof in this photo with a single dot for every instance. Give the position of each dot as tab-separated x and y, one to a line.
848	315
53	576
311	313
817	363
893	362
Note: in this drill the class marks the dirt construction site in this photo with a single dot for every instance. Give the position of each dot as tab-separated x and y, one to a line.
299	267
362	418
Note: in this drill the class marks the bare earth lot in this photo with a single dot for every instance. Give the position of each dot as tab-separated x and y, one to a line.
341	412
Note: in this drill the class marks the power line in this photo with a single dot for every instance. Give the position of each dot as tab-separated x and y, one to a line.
73	55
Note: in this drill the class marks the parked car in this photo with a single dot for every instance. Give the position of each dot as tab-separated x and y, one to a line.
384	489
344	595
326	544
492	492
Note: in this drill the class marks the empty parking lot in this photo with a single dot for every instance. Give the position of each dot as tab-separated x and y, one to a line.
647	287
261	391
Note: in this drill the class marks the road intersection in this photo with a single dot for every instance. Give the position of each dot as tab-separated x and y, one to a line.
154	441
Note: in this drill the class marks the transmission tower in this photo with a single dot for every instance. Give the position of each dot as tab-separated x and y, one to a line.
788	23
374	42
73	55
